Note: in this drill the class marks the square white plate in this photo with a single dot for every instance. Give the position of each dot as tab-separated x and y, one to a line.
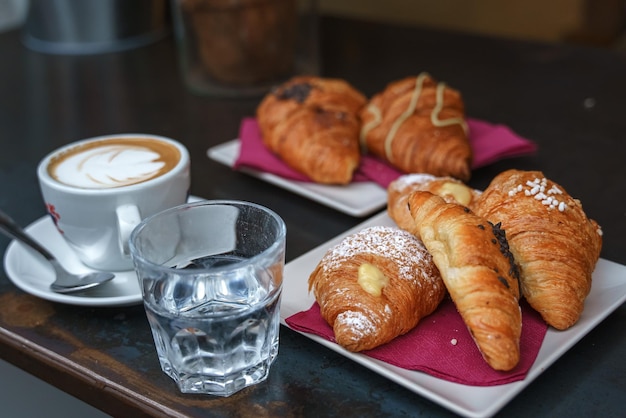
608	292
356	199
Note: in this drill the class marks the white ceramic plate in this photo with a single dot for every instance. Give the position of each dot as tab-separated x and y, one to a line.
607	293
31	273
356	199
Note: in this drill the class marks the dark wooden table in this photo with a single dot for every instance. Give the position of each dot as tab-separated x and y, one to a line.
570	100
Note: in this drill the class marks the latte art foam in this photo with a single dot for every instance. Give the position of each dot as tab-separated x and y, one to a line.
111	166
113	163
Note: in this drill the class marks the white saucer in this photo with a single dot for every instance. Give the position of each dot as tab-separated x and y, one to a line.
31	273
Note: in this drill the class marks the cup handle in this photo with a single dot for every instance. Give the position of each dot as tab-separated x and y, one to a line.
128	218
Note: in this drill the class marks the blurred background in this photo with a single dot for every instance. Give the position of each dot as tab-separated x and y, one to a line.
12	13
591	22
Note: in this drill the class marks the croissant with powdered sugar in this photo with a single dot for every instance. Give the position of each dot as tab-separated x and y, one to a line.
375	285
449	188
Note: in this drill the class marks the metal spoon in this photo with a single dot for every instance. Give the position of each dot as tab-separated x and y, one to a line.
65	282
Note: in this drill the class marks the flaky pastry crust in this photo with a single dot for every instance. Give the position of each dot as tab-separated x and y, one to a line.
478	271
418	125
312	124
409	289
450	189
554	242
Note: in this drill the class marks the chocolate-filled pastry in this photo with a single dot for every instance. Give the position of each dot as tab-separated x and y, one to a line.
449	188
418	125
554	242
479	272
375	285
312	124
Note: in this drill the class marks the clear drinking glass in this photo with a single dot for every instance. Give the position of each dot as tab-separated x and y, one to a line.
211	278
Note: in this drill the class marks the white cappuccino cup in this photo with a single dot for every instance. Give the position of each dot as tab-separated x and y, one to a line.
97	190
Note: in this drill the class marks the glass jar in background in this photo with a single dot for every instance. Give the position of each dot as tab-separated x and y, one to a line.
241	48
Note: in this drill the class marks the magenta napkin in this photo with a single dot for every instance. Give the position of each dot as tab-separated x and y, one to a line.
441	346
489	143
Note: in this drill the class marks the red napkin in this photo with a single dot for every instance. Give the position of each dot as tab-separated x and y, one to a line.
441	346
489	142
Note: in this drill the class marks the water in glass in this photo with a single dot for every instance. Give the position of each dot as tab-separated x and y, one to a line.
215	334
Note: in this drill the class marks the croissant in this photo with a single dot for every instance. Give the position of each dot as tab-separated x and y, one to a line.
312	124
553	241
418	126
398	191
375	285
479	272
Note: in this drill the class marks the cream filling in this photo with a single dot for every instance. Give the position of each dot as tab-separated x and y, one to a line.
371	279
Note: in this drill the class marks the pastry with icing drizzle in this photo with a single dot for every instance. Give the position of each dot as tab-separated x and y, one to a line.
375	285
418	125
312	124
554	242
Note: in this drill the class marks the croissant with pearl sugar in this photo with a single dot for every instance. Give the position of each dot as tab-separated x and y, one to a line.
554	242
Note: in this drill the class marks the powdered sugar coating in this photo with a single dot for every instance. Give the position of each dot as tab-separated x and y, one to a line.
400	246
409	180
400	188
359	319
